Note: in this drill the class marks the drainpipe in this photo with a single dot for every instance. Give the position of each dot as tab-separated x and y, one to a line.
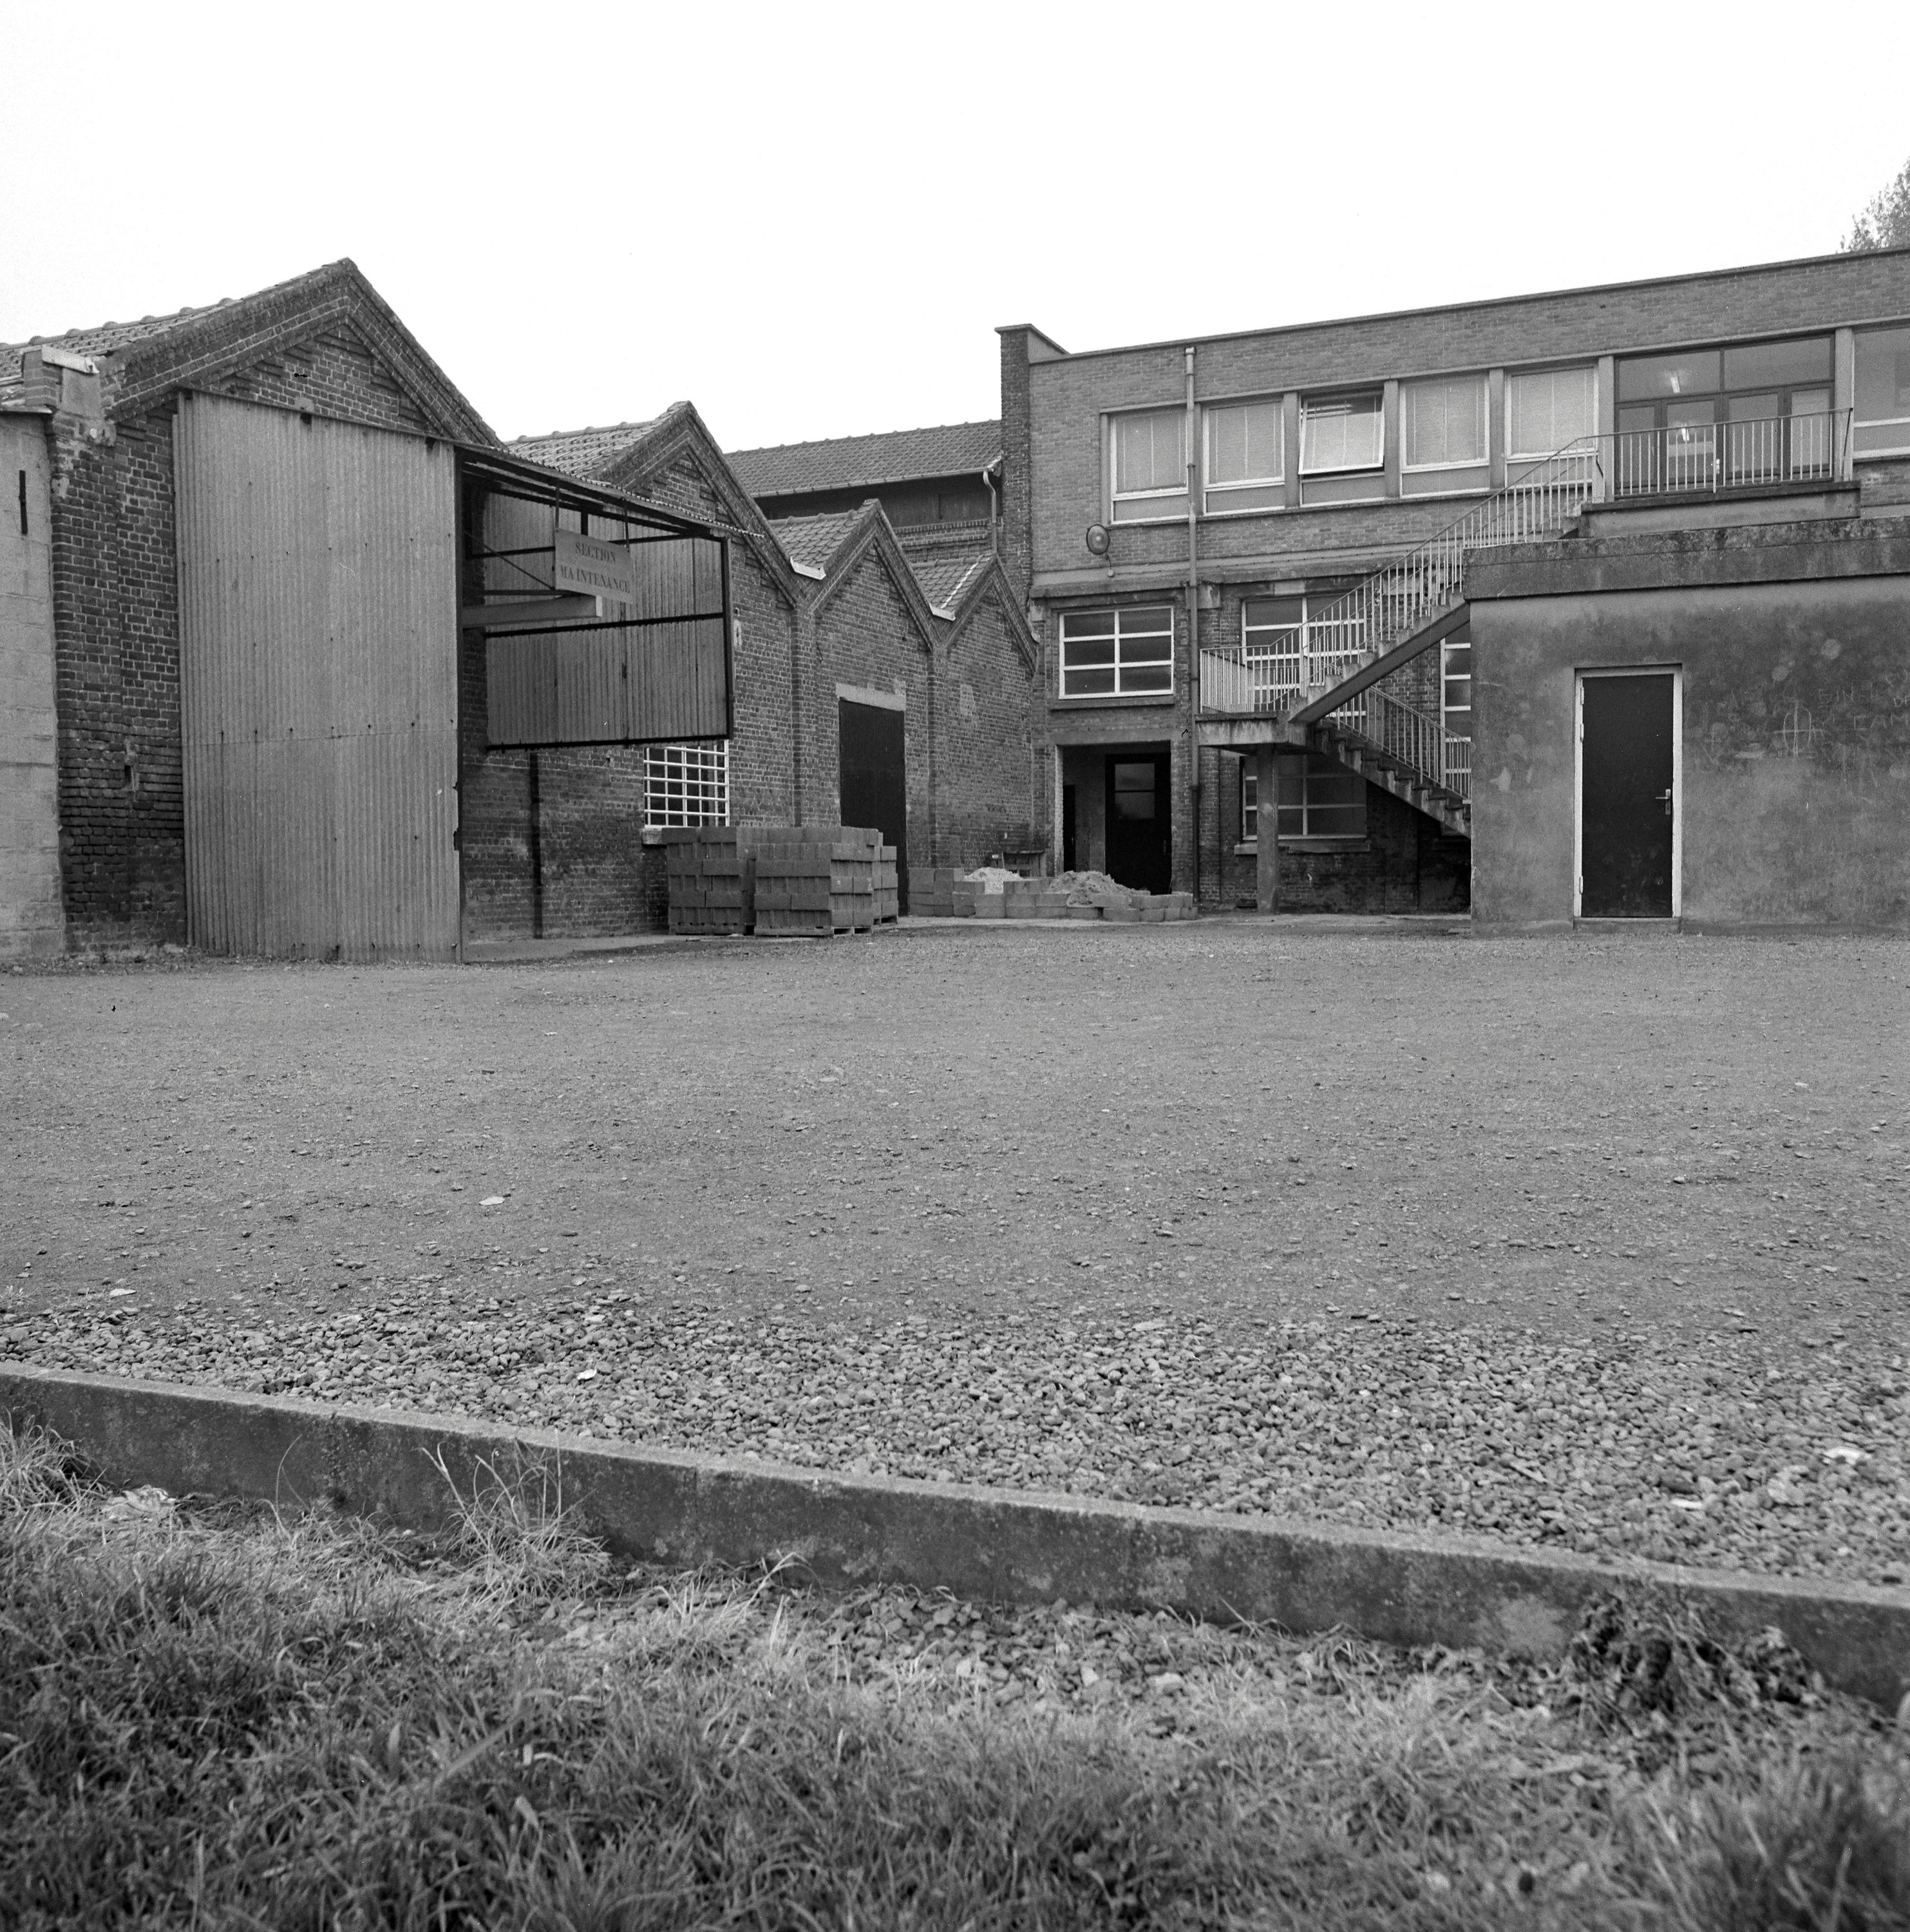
1193	625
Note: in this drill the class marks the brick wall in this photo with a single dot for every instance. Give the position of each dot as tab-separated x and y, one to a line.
864	632
1067	396
992	796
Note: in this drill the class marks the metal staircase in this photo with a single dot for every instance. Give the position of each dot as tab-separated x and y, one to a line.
1403	609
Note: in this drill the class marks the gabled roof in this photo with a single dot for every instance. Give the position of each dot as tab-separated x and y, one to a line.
813	540
140	360
859	462
583	452
946	577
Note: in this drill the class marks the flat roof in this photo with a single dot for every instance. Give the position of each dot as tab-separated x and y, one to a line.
1688	278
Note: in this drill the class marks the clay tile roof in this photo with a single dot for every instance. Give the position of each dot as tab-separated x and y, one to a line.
580	452
99	341
813	540
856	462
946	577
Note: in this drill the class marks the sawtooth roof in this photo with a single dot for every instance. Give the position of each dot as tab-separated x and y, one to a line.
946	578
858	462
812	540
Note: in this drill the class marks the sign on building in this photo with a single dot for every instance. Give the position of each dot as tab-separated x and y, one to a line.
596	568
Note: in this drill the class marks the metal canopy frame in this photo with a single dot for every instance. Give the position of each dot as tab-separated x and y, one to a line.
542	610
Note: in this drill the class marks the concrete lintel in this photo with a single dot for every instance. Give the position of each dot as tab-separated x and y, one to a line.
1234	734
999	1545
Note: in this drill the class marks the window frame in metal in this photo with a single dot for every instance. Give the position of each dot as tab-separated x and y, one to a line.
1314	408
1900	445
1215	495
713	757
1315	764
1124	622
1161	503
1410	390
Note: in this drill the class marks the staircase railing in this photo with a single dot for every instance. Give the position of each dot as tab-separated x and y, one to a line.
1384	610
1399	598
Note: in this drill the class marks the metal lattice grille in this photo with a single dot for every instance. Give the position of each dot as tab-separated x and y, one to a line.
686	784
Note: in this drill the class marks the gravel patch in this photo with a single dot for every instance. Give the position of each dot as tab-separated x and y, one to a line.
1613	1450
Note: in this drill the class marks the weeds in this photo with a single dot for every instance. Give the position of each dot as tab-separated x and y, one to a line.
302	1723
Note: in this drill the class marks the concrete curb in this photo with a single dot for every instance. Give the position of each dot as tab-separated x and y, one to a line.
1001	1545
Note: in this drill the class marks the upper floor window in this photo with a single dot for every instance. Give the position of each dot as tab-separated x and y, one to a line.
1149	463
1341	433
1245	455
1882	426
1118	653
1757	412
1444	422
1548	409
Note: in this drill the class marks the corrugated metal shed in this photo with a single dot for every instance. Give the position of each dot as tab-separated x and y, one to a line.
319	685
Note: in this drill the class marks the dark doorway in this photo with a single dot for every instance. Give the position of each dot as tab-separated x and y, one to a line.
873	778
1067	828
1140	820
1625	800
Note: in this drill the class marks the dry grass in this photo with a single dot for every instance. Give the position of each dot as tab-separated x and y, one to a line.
217	1720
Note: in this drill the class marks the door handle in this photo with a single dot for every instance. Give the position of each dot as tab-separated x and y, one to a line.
1665	799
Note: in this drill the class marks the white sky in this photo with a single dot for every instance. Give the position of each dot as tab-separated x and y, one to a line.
809	218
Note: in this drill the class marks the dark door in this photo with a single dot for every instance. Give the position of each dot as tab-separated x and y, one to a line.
1625	801
1140	820
873	779
1067	828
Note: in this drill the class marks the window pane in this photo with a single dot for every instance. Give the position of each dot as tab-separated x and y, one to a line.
1249	801
1346	433
686	784
1759	365
1546	408
1243	442
1883	375
1142	509
1083	682
1146	678
1147	451
1262	613
1640	377
1087	624
1445	421
1227	446
1077	651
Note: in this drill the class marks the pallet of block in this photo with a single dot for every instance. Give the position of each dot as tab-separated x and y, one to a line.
708	878
813	881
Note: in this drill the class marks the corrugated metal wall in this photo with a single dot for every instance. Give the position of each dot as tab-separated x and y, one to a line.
318	622
585	685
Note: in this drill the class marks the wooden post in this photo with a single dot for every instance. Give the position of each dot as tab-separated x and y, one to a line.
1266	828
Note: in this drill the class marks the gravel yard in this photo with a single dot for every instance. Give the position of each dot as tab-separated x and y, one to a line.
1597	1243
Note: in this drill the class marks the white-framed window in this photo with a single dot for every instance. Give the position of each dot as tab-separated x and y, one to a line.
1338	433
1123	653
1546	408
1320	798
1443	421
1246	465
1880	424
686	784
1147	456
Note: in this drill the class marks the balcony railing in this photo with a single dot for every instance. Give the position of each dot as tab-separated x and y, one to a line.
1702	459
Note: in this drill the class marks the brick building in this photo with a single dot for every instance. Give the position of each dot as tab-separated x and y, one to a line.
252	621
1248	560
881	652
